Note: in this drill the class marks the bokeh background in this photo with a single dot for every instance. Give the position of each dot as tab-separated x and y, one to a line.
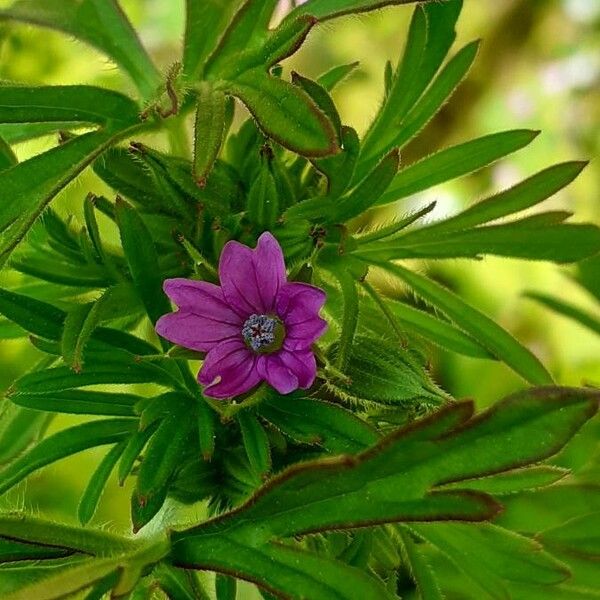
538	68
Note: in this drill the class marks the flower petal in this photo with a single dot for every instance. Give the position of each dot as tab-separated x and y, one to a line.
228	370
301	336
271	368
298	305
298	301
302	364
238	279
270	269
251	279
194	331
201	298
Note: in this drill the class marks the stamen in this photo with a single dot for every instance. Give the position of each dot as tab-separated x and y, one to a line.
263	333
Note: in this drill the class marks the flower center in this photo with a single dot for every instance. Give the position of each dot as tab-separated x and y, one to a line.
263	333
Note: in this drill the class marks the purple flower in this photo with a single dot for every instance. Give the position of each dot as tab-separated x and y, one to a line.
255	327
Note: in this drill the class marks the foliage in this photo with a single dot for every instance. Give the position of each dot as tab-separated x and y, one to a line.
374	483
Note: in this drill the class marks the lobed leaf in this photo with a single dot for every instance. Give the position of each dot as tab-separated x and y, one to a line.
395	480
492	556
579	536
514	481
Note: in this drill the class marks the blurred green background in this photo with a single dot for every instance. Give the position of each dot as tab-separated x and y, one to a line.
538	68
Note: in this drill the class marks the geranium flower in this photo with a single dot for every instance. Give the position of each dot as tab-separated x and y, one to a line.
256	326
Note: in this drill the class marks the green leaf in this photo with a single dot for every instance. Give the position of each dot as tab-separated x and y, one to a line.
442	333
37	180
563	243
7	156
178	584
321	98
209	130
14	551
456	161
247	29
488	333
383	372
45	320
14	133
100	23
579	536
420	571
368	191
430	36
435	96
142	259
226	587
285	113
395	480
125	173
523	195
338	170
262	206
39	318
206	429
78	328
204	24
134	447
62	444
19	429
313	421
26	528
80	402
66	103
324	10
162	457
491	556
91	496
256	443
280	568
114	368
567	309
330	79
